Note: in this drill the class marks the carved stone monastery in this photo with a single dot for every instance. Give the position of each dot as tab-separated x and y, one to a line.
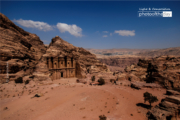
61	67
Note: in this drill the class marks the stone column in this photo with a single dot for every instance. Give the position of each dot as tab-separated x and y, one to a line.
55	63
50	63
68	62
74	63
61	62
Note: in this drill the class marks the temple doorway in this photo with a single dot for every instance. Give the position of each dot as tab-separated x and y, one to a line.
61	74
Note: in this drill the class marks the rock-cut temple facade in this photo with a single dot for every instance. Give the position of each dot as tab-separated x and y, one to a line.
61	67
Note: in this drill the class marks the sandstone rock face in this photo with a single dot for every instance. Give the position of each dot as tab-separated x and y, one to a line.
22	50
85	61
140	85
168	109
164	70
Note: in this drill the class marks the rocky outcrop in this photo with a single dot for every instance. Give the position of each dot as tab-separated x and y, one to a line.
140	85
85	61
22	50
168	109
164	70
81	81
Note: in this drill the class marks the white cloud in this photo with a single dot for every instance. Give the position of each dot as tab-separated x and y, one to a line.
125	32
34	24
104	36
105	31
110	34
72	29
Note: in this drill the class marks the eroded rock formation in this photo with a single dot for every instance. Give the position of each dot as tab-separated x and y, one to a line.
164	70
22	50
168	109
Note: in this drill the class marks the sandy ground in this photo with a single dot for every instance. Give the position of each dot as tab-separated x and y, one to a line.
66	100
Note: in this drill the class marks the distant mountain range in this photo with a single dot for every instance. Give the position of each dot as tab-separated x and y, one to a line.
175	51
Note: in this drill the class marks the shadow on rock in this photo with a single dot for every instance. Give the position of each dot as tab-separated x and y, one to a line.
144	105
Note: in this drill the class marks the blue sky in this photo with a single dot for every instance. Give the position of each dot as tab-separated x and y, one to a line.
99	25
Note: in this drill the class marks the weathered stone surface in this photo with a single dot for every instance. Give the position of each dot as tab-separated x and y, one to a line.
122	76
136	86
166	110
168	106
132	77
158	114
140	85
173	99
22	50
164	70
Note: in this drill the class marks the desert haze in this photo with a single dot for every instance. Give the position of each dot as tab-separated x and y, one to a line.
60	81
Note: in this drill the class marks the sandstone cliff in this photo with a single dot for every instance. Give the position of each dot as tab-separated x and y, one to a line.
22	50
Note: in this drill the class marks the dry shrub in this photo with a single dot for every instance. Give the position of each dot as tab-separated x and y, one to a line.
19	80
101	81
102	117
